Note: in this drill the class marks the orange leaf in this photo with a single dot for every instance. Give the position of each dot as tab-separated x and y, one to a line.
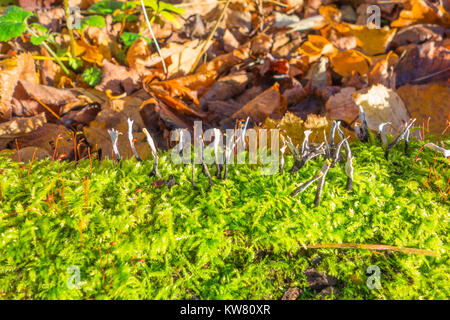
345	62
419	11
316	46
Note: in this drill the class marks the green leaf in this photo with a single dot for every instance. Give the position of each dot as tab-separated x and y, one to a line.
38	40
92	76
13	23
170	17
109	6
129	37
153	4
93	21
164	6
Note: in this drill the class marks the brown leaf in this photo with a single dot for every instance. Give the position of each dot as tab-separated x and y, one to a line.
22	125
382	71
417	34
294	127
29	153
269	103
117	111
424	63
428	100
27	94
11	71
341	106
261	44
118	79
45	137
227	87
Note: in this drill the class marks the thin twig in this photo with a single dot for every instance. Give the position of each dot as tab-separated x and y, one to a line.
153	36
370	247
205	45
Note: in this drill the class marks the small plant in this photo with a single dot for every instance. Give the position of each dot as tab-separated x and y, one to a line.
14	23
92	76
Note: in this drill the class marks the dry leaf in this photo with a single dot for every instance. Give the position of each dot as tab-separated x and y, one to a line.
382	71
428	100
294	127
420	11
341	106
372	41
424	63
45	137
345	62
227	87
382	104
11	71
22	125
29	154
316	46
269	103
118	79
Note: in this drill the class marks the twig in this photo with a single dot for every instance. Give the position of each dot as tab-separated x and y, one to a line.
52	53
69	27
153	36
370	247
205	45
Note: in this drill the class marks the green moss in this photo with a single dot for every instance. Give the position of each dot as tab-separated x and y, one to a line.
240	240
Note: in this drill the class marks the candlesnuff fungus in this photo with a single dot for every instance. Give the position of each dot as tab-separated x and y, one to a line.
404	134
114	134
307	152
320	176
380	131
231	143
349	163
217	137
131	139
204	166
283	150
151	143
364	134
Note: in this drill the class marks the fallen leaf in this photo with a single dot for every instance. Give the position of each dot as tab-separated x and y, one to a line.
29	154
424	63
382	71
382	104
22	125
417	34
261	44
344	62
294	127
316	46
341	106
269	103
421	11
11	71
428	100
227	87
118	79
45	137
372	41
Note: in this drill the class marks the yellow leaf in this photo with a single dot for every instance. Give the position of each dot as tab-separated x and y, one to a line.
317	46
419	11
371	40
345	62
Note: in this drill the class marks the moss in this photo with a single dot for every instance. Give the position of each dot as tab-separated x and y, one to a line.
243	239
